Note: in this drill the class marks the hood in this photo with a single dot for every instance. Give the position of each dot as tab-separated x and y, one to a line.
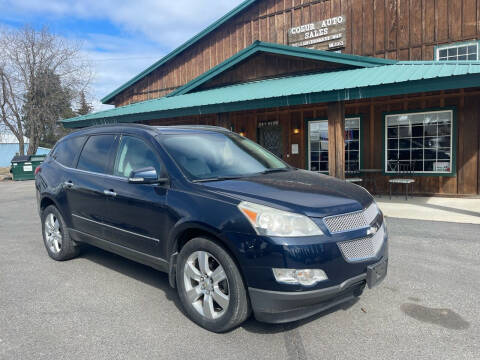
299	191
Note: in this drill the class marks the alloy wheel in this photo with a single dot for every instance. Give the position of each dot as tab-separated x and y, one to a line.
206	285
53	233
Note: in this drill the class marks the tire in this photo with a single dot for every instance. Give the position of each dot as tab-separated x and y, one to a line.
58	244
196	301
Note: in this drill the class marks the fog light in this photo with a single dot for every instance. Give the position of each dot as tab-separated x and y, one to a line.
305	277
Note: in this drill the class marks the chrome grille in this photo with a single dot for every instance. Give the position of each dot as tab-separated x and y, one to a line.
363	248
351	221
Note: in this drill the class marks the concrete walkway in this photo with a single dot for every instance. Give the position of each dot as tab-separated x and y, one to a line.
459	210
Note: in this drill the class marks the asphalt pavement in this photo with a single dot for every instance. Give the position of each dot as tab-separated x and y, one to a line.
101	306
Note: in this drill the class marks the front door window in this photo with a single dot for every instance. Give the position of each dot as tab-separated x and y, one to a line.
134	154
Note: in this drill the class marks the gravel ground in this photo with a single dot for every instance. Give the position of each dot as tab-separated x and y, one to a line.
100	306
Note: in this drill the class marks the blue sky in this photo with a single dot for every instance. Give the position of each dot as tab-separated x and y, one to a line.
120	37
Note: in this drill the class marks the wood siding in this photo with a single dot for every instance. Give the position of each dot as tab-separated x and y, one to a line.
264	66
395	29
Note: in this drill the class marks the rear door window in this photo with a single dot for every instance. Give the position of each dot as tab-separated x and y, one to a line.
67	150
134	154
95	156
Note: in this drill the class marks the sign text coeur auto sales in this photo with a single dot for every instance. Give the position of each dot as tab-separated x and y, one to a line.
328	34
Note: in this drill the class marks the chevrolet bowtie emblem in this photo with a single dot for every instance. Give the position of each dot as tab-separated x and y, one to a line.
372	230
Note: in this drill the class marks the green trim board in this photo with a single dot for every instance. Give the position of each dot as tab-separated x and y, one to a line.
179	50
271	48
348	117
397	79
454	140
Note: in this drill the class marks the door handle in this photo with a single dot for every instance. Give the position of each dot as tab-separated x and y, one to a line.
68	184
110	193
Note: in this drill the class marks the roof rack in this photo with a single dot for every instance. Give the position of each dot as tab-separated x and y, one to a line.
206	127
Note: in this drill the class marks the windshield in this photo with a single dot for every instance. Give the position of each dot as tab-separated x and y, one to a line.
210	156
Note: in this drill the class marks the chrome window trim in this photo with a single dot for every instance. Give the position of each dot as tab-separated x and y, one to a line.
92	172
116	228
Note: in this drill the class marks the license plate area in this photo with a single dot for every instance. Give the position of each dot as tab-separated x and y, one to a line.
376	273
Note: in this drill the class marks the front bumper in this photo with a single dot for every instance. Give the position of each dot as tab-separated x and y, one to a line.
280	307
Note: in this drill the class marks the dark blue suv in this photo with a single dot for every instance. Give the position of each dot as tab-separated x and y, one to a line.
236	228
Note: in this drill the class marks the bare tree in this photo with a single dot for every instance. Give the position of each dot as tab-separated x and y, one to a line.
36	69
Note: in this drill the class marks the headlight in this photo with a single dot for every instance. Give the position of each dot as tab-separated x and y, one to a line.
305	277
272	222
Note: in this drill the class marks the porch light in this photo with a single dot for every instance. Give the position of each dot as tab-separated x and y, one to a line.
296	131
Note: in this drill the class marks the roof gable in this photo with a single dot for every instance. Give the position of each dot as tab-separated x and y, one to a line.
180	49
352	61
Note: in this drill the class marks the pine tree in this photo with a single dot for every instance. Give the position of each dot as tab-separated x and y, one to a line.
85	108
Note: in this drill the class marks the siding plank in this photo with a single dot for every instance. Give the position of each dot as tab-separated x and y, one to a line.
469	18
379	13
441	20
403	23
357	18
429	21
415	22
368	27
455	20
391	24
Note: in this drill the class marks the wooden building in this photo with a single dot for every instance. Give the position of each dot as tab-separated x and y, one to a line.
335	86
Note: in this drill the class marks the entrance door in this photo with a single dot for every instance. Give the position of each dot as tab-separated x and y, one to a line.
270	137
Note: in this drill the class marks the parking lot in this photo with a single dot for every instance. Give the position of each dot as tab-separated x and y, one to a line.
101	306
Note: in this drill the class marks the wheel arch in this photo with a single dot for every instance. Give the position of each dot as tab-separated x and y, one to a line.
47	201
190	230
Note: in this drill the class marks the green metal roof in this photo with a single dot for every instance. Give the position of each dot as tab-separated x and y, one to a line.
271	48
401	78
178	50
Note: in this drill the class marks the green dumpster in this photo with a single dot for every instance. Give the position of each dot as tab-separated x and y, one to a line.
23	167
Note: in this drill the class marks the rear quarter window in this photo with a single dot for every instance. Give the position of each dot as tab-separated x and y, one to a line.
67	150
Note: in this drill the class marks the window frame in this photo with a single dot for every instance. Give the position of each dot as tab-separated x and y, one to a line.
456	45
453	141
360	141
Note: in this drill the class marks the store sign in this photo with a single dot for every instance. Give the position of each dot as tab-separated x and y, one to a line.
328	34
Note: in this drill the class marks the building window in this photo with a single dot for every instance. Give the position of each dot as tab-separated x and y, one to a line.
318	145
419	142
464	51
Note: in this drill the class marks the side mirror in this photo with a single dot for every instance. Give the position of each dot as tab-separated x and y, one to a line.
146	175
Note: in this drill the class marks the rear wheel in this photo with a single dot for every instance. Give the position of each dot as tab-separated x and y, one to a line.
210	286
57	241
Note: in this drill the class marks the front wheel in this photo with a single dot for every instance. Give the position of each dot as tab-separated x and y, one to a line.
210	286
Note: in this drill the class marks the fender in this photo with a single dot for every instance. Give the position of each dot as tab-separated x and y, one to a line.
66	215
188	224
175	234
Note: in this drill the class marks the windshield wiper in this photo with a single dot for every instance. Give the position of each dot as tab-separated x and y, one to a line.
218	178
268	171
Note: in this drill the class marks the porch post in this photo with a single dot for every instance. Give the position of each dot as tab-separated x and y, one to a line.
336	139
